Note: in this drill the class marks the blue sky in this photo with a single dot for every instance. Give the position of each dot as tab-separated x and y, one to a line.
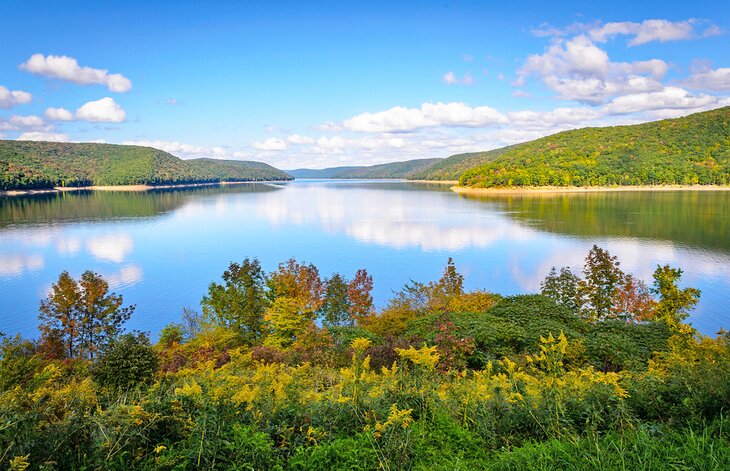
315	84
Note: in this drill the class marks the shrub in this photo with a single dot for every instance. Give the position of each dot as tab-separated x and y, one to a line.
128	362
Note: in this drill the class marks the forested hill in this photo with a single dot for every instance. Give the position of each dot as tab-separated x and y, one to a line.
405	169
40	165
691	150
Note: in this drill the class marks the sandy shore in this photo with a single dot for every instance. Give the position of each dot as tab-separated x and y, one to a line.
585	189
59	189
439	182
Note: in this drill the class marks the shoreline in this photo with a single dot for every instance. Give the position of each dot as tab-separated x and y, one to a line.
440	182
536	190
128	188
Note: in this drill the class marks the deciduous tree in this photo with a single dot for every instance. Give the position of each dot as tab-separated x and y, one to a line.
82	315
240	302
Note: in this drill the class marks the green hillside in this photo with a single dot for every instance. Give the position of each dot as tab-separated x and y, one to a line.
405	169
683	151
235	170
452	167
40	165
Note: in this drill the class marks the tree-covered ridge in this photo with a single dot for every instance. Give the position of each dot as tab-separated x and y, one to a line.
691	150
408	169
42	165
452	167
235	170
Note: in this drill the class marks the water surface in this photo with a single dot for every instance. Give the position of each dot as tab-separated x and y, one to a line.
161	249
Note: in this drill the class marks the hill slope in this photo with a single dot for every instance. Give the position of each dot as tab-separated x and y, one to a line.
391	170
691	150
452	167
38	165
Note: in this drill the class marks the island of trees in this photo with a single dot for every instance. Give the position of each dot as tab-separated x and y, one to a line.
26	165
290	370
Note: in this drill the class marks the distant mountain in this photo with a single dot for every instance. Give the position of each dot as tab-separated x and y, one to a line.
40	165
694	149
392	170
236	170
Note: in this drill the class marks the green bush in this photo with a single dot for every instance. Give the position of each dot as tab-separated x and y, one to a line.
127	362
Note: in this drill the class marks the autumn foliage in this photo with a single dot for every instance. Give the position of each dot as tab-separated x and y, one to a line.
292	370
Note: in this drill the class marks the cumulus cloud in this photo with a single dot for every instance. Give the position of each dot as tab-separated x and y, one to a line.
298	140
671	98
399	119
67	68
577	69
58	114
43	136
554	118
270	144
11	98
451	79
105	110
717	79
182	150
25	123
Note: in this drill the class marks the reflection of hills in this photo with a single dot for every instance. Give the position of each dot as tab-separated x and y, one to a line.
103	205
698	219
392	185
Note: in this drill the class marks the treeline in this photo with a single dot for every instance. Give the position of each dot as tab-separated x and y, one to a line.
292	370
693	150
407	169
26	165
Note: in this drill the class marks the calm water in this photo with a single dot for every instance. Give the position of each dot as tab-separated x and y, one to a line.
161	249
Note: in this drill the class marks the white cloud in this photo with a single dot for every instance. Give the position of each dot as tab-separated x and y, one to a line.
646	31
552	119
672	98
27	121
43	136
298	140
105	110
11	98
641	33
577	69
58	114
270	144
717	79
67	68
399	119
185	151
451	79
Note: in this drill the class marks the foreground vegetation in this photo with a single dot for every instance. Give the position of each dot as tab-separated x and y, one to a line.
286	370
26	165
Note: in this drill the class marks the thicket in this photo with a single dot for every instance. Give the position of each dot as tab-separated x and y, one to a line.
290	370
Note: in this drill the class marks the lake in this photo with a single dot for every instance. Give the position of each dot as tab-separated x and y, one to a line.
161	249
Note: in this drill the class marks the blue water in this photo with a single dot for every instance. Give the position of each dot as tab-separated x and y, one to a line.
160	250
